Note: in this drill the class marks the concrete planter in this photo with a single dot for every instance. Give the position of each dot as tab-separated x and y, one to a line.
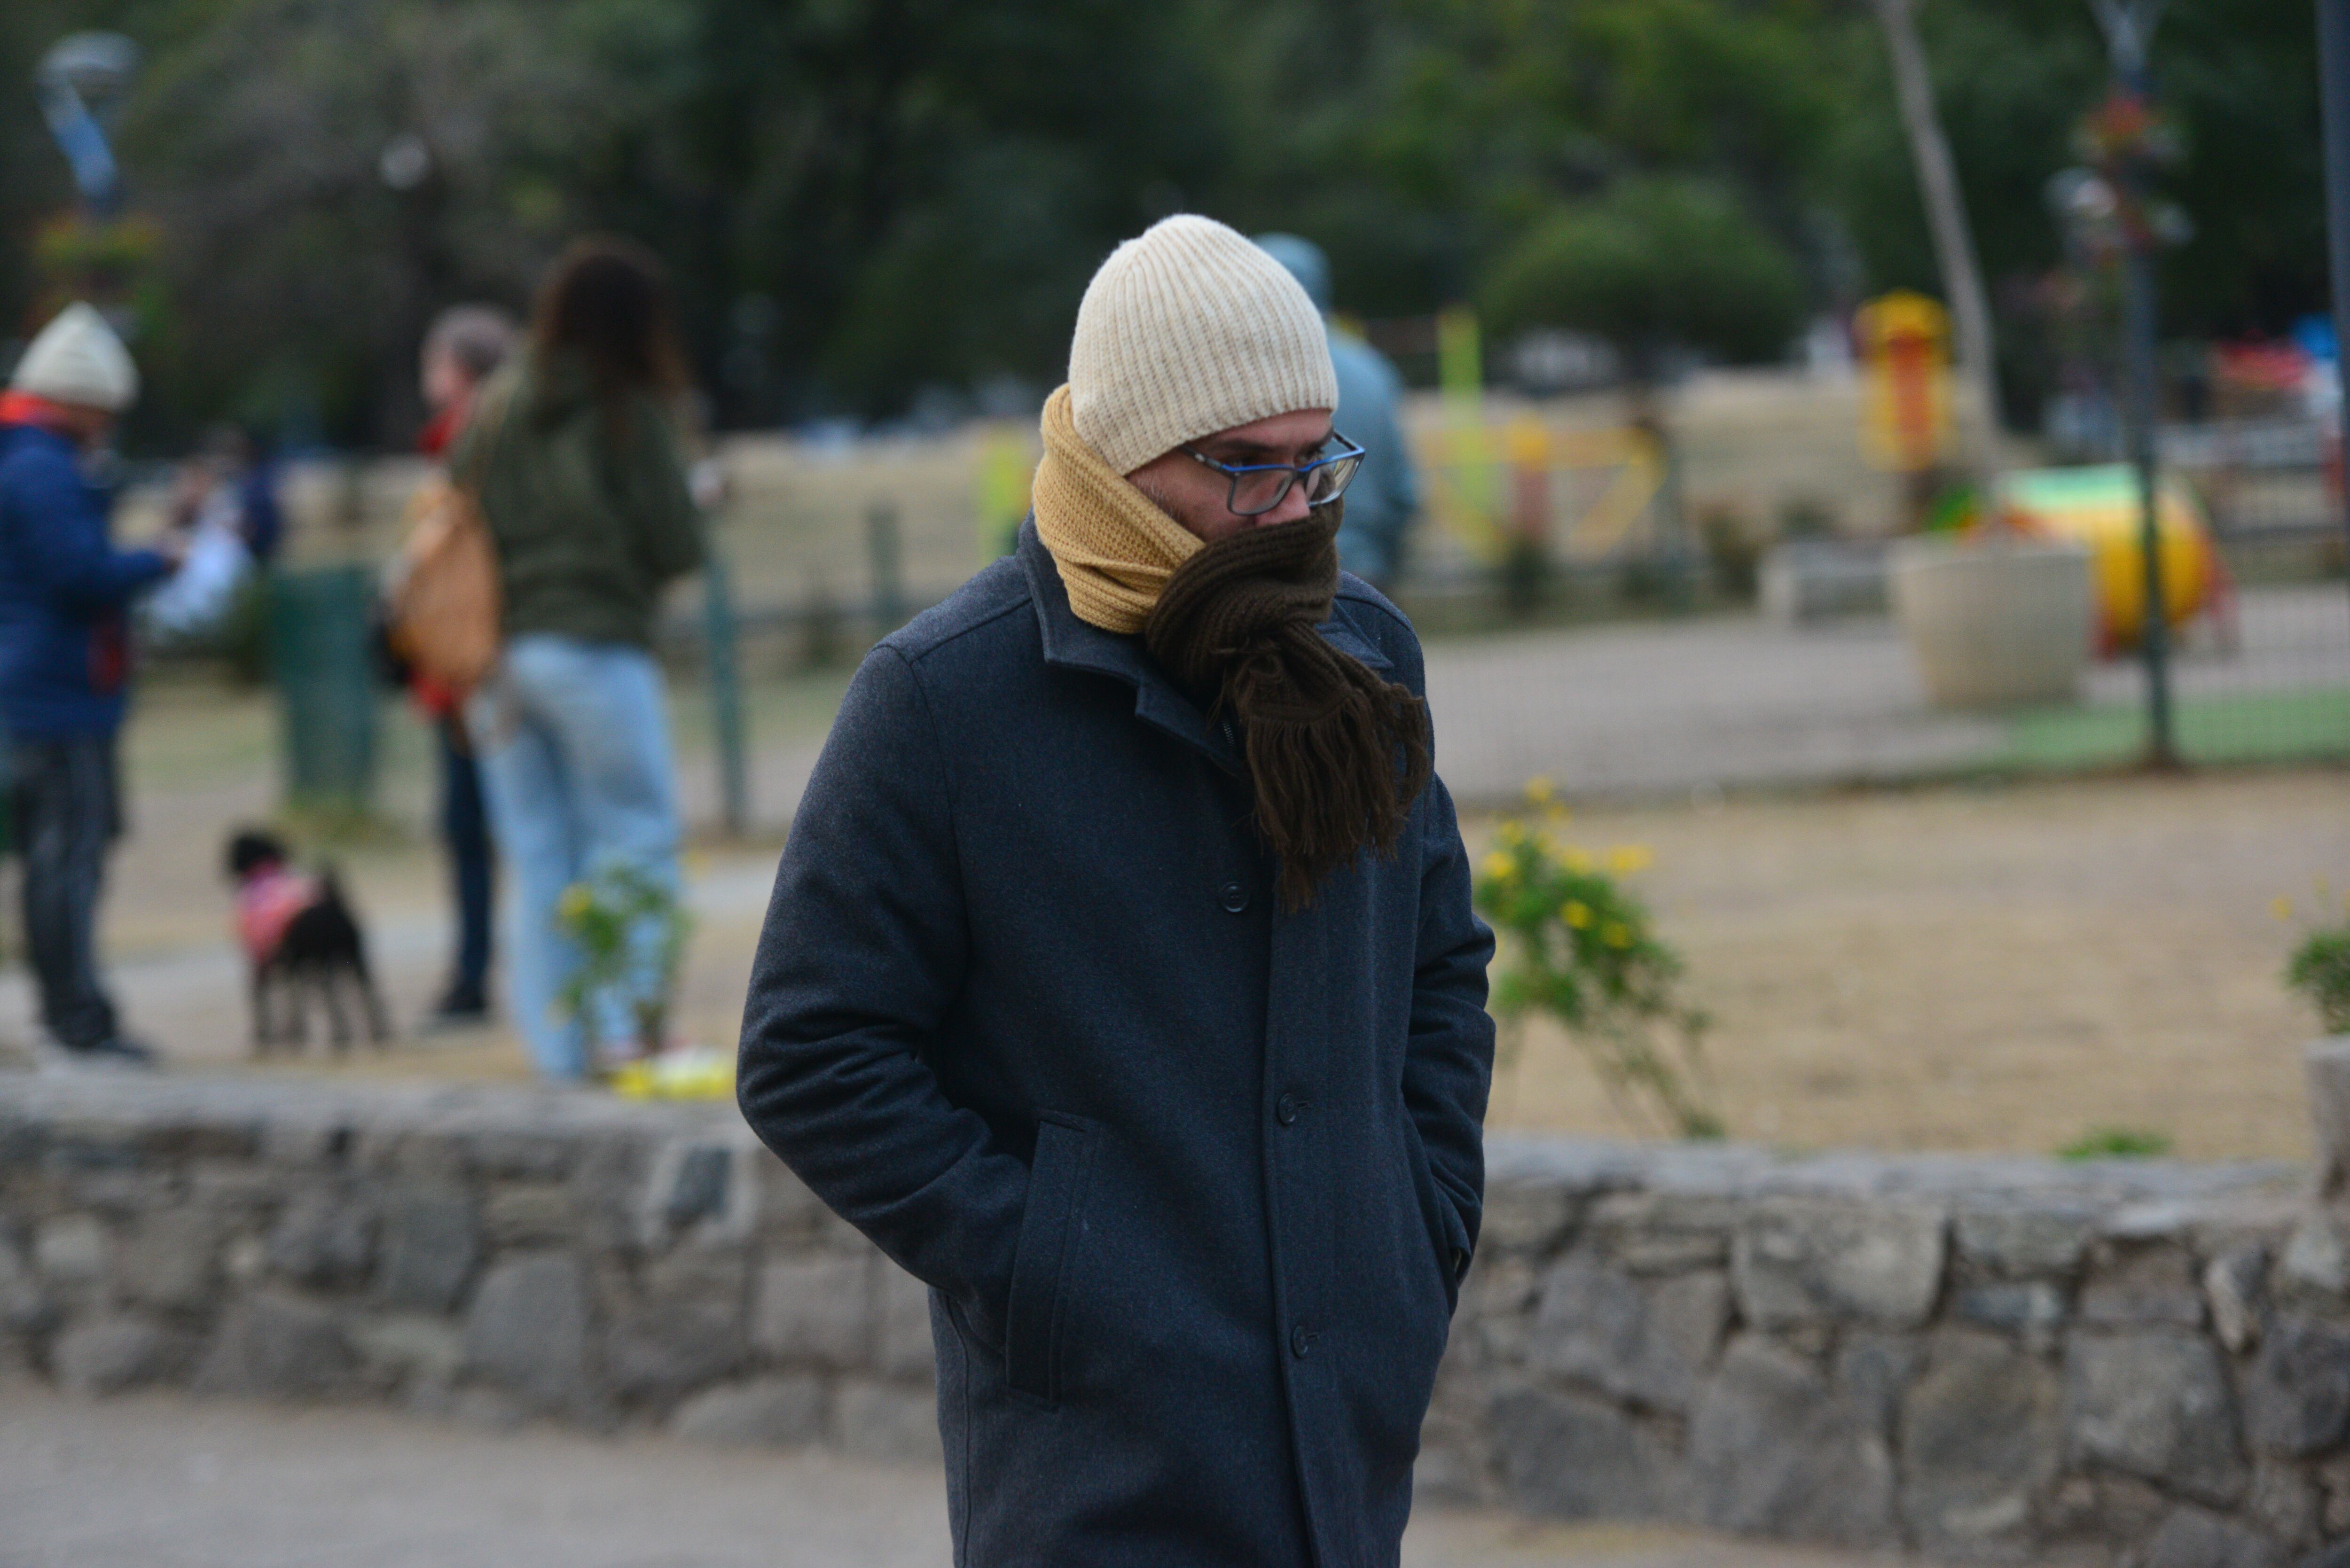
1994	625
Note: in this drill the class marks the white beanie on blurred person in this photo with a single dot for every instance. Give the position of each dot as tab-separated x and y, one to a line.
1190	329
78	360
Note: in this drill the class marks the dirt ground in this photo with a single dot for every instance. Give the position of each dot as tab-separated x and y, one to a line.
1985	967
1965	967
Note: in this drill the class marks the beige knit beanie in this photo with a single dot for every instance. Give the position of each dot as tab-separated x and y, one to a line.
1187	329
77	358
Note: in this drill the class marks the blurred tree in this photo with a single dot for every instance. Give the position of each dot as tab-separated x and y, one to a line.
924	186
2013	78
861	199
1651	265
1420	139
329	177
34	184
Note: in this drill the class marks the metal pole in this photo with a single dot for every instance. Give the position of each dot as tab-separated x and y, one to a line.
2153	637
2334	94
2129	30
725	692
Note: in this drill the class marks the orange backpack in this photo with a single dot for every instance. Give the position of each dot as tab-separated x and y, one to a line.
445	595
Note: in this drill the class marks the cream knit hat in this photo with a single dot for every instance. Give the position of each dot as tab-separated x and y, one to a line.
1186	330
77	358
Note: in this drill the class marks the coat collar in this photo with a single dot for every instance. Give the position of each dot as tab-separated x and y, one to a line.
1074	644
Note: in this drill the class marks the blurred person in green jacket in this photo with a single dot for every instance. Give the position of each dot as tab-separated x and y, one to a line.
573	453
1384	496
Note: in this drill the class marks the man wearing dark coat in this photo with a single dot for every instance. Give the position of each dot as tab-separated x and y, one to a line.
66	593
1121	979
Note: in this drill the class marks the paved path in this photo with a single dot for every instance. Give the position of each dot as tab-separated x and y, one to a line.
1662	708
1665	707
158	1482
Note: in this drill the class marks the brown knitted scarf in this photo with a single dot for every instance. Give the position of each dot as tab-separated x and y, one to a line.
1321	730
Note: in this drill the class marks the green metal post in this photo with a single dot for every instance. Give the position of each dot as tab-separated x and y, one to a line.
720	636
2334	78
2129	30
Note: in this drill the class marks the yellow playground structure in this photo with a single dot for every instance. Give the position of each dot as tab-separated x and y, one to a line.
2098	508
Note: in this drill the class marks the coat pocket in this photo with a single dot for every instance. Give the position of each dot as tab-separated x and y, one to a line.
1036	1317
1448	1239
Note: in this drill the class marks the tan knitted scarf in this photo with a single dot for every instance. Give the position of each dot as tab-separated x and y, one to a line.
1116	549
1234	623
1324	734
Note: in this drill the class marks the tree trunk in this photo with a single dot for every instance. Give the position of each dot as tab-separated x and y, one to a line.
1954	250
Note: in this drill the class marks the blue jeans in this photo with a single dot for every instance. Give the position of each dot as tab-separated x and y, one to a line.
572	738
465	830
67	809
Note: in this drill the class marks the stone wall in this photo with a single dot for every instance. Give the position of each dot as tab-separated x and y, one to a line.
2140	1363
494	1255
2005	1360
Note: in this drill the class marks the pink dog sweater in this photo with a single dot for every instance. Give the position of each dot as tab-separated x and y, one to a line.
266	904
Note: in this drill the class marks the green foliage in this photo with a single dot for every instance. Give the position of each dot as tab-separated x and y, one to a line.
1582	949
630	932
1651	264
2116	1143
2320	971
861	198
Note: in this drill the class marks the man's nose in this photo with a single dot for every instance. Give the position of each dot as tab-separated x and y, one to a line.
1293	507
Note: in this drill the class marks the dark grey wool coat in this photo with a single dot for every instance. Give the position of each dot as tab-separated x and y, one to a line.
1194	1180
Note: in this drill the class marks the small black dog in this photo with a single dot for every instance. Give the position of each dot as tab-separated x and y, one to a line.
299	937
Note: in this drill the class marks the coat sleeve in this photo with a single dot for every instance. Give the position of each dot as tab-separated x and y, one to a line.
1449	1060
67	555
864	950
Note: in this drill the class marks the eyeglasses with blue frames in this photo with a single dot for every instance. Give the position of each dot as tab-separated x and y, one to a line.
1258	487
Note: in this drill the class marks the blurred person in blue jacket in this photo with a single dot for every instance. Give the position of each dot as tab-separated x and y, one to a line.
1384	496
64	658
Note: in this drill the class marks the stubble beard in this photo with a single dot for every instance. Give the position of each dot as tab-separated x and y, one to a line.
1157	496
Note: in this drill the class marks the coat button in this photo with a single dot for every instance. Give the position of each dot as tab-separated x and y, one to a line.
1285	1109
1233	897
1301	1340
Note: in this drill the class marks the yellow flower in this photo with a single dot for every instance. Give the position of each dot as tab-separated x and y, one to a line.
2281	907
1616	935
576	900
1539	791
1500	866
1512	833
1576	913
1576	860
1626	858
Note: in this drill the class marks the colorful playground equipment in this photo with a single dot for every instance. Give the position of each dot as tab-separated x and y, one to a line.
1579	492
2098	508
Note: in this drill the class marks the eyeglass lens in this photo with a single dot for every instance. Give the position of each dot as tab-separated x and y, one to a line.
1261	490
